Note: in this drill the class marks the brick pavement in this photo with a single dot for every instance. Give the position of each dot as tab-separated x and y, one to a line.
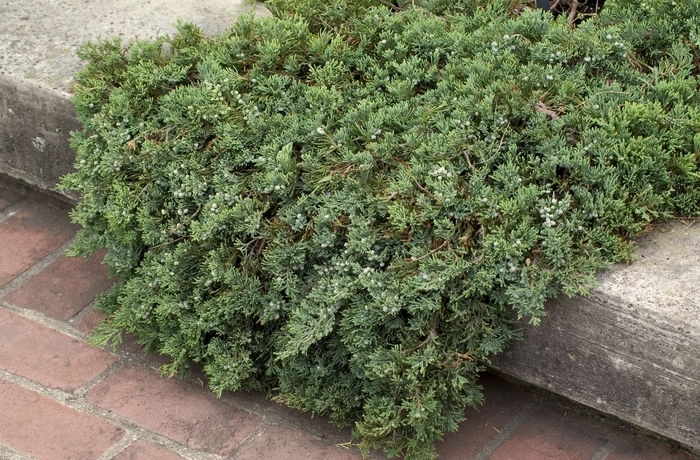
63	399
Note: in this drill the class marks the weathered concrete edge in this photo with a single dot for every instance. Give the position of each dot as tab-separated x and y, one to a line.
35	128
617	355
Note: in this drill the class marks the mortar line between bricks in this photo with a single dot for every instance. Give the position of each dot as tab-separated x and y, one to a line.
8	454
275	415
259	430
114	367
56	325
76	400
81	314
305	429
35	269
606	449
132	429
231	399
117	447
506	431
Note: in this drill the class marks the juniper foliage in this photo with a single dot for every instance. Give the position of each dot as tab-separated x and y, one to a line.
348	204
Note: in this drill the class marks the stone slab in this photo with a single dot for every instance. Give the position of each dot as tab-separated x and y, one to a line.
38	42
636	448
630	349
35	125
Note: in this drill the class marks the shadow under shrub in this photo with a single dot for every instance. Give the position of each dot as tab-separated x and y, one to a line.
350	212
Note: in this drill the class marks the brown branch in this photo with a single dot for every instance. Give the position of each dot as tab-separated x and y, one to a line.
421	187
390	5
169	242
572	14
199	208
500	144
542	107
412	261
464	357
466	155
258	247
143	190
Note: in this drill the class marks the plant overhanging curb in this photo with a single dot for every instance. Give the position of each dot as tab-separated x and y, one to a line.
348	205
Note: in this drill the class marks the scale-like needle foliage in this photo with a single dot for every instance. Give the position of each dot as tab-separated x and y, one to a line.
349	204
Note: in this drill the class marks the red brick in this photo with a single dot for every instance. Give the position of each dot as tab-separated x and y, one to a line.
64	288
47	356
635	447
502	402
87	323
37	426
142	450
29	235
283	443
174	409
550	434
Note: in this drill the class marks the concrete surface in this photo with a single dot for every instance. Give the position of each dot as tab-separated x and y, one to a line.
35	126
39	38
632	348
38	41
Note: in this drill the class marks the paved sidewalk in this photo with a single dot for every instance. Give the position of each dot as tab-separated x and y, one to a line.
63	399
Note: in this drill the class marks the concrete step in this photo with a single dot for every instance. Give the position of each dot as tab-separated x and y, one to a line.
38	41
629	350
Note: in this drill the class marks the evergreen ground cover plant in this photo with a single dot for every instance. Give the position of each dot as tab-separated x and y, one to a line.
348	204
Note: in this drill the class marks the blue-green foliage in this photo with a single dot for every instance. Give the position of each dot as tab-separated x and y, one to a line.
350	206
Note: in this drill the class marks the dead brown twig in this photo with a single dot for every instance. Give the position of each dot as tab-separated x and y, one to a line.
390	5
572	13
542	107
